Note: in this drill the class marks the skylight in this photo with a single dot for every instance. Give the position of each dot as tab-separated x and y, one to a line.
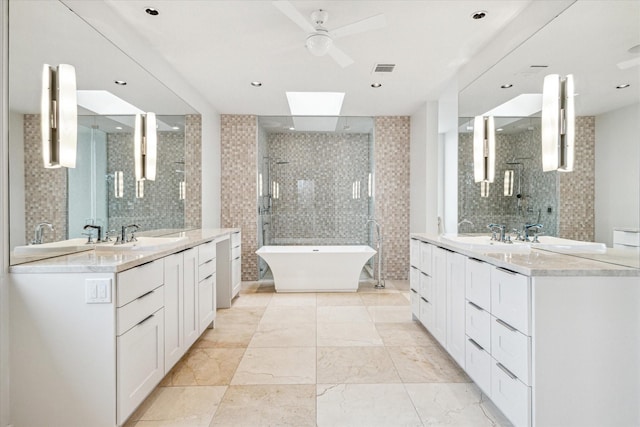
524	105
105	103
315	103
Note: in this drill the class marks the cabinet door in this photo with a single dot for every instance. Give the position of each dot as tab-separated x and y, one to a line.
456	306
510	298
236	271
190	314
414	252
173	309
140	363
206	301
478	283
426	261
439	300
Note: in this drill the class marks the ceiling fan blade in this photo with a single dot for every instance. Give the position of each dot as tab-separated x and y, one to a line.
367	24
292	13
339	56
629	63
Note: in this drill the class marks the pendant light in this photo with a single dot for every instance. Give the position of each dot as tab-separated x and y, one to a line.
484	149
558	123
145	141
59	116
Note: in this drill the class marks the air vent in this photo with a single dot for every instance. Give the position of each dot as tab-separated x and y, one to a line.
384	68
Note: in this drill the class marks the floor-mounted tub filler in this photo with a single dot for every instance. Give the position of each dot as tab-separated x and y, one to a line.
316	268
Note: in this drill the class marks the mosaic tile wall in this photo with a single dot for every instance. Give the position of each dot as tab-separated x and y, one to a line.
45	189
238	141
391	153
193	167
539	201
323	193
161	207
577	188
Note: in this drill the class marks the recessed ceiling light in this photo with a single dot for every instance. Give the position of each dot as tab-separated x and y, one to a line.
376	85
506	86
499	130
479	14
120	82
175	127
292	128
119	127
623	86
152	11
256	84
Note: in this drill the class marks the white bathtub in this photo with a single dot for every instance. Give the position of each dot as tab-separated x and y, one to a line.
316	268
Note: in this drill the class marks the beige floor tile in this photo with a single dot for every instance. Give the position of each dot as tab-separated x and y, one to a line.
369	287
205	366
183	406
267	405
337	314
289	314
393	314
401	285
236	337
454	405
239	316
426	365
348	334
284	335
407	334
338	298
386	299
368	405
293	299
258	299
364	365
293	365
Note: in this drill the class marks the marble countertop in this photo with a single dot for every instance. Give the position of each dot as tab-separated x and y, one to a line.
540	262
97	261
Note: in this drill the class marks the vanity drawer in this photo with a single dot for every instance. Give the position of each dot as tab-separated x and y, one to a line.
510	395
414	252
478	325
139	280
426	287
511	348
236	252
626	238
425	257
478	365
510	297
206	269
426	314
414	279
235	240
140	308
415	303
206	252
478	283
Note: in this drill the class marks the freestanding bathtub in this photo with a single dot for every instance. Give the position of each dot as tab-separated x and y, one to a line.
316	268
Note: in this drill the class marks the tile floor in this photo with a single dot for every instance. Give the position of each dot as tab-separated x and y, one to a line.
355	359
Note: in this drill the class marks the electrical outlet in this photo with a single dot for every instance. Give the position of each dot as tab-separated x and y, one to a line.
97	291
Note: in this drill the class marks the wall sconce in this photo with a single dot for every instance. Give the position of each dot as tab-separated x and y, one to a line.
370	185
508	183
118	184
355	190
484	189
145	142
139	189
59	116
182	189
275	190
260	185
558	123
484	149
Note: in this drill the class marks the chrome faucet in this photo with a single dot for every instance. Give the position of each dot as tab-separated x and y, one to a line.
380	283
528	227
122	238
94	227
495	229
37	236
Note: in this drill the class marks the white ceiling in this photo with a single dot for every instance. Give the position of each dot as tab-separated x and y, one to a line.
219	47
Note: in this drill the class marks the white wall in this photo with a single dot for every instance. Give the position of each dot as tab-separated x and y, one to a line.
16	177
448	129
617	175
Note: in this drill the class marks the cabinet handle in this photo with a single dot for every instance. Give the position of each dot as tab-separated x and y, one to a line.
476	260
207	262
506	325
475	306
506	271
145	294
208	277
236	258
424	299
506	371
478	346
145	319
414	291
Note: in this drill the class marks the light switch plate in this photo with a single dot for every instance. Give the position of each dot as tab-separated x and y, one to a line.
97	291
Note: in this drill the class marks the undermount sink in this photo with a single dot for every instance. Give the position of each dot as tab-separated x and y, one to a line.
485	244
143	243
71	245
557	244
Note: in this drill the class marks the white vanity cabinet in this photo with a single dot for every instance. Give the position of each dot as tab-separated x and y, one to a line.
236	264
206	285
229	269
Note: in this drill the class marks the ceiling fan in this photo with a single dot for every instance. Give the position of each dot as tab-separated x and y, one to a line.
319	39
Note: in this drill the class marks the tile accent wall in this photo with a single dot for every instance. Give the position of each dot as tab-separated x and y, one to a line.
538	189
45	189
577	188
317	201
238	140
193	168
391	154
161	207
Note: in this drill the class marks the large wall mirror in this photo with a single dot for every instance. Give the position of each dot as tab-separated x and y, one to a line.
599	43
48	32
